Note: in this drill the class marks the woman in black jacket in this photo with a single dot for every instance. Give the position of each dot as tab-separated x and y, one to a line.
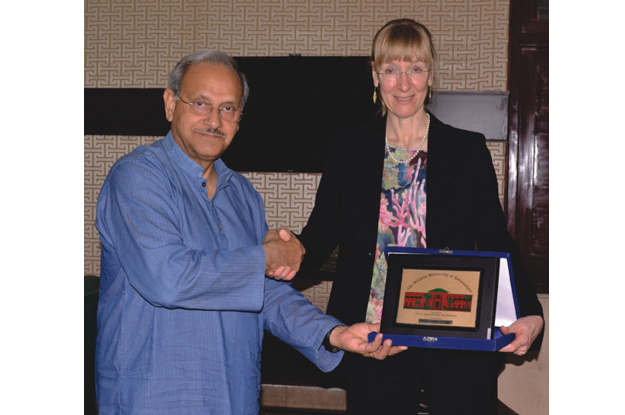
407	179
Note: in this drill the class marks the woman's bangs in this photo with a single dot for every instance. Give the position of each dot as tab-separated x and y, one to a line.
404	50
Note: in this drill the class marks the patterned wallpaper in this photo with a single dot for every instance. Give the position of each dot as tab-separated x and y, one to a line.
134	44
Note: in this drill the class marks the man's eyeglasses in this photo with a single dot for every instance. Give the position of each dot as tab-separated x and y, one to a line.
227	112
393	74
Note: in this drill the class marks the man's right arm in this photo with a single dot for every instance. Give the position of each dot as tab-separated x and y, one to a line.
140	219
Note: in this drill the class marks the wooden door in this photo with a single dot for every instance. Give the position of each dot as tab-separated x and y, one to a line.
528	153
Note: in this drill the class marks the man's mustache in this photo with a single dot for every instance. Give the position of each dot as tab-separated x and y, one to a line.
210	130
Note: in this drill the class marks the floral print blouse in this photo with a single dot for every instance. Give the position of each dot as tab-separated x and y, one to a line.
402	217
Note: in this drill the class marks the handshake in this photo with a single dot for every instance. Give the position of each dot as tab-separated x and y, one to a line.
284	254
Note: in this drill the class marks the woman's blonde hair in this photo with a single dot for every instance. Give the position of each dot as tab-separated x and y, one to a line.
403	40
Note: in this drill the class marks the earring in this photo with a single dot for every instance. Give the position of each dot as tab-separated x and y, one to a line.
430	96
375	96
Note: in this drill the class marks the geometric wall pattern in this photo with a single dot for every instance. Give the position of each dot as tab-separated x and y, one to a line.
288	197
100	154
134	44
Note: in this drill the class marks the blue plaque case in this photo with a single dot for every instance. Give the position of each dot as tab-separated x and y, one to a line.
496	306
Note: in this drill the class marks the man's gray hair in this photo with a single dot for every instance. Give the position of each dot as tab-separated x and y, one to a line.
215	57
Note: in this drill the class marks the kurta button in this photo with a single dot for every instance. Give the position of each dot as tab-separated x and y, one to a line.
203	184
219	227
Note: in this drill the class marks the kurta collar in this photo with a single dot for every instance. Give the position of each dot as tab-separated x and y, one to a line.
191	167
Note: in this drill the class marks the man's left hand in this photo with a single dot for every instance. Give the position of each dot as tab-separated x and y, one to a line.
355	339
525	329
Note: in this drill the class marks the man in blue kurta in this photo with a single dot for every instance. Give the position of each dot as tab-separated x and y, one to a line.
184	296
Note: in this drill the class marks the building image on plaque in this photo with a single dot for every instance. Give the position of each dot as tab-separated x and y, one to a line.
437	299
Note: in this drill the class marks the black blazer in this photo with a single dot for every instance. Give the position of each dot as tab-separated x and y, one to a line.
463	211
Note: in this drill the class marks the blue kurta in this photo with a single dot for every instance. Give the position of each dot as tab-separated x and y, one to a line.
183	293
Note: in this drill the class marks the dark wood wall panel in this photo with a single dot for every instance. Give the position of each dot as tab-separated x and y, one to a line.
528	175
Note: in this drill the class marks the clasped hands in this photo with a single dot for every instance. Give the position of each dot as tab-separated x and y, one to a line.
283	253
